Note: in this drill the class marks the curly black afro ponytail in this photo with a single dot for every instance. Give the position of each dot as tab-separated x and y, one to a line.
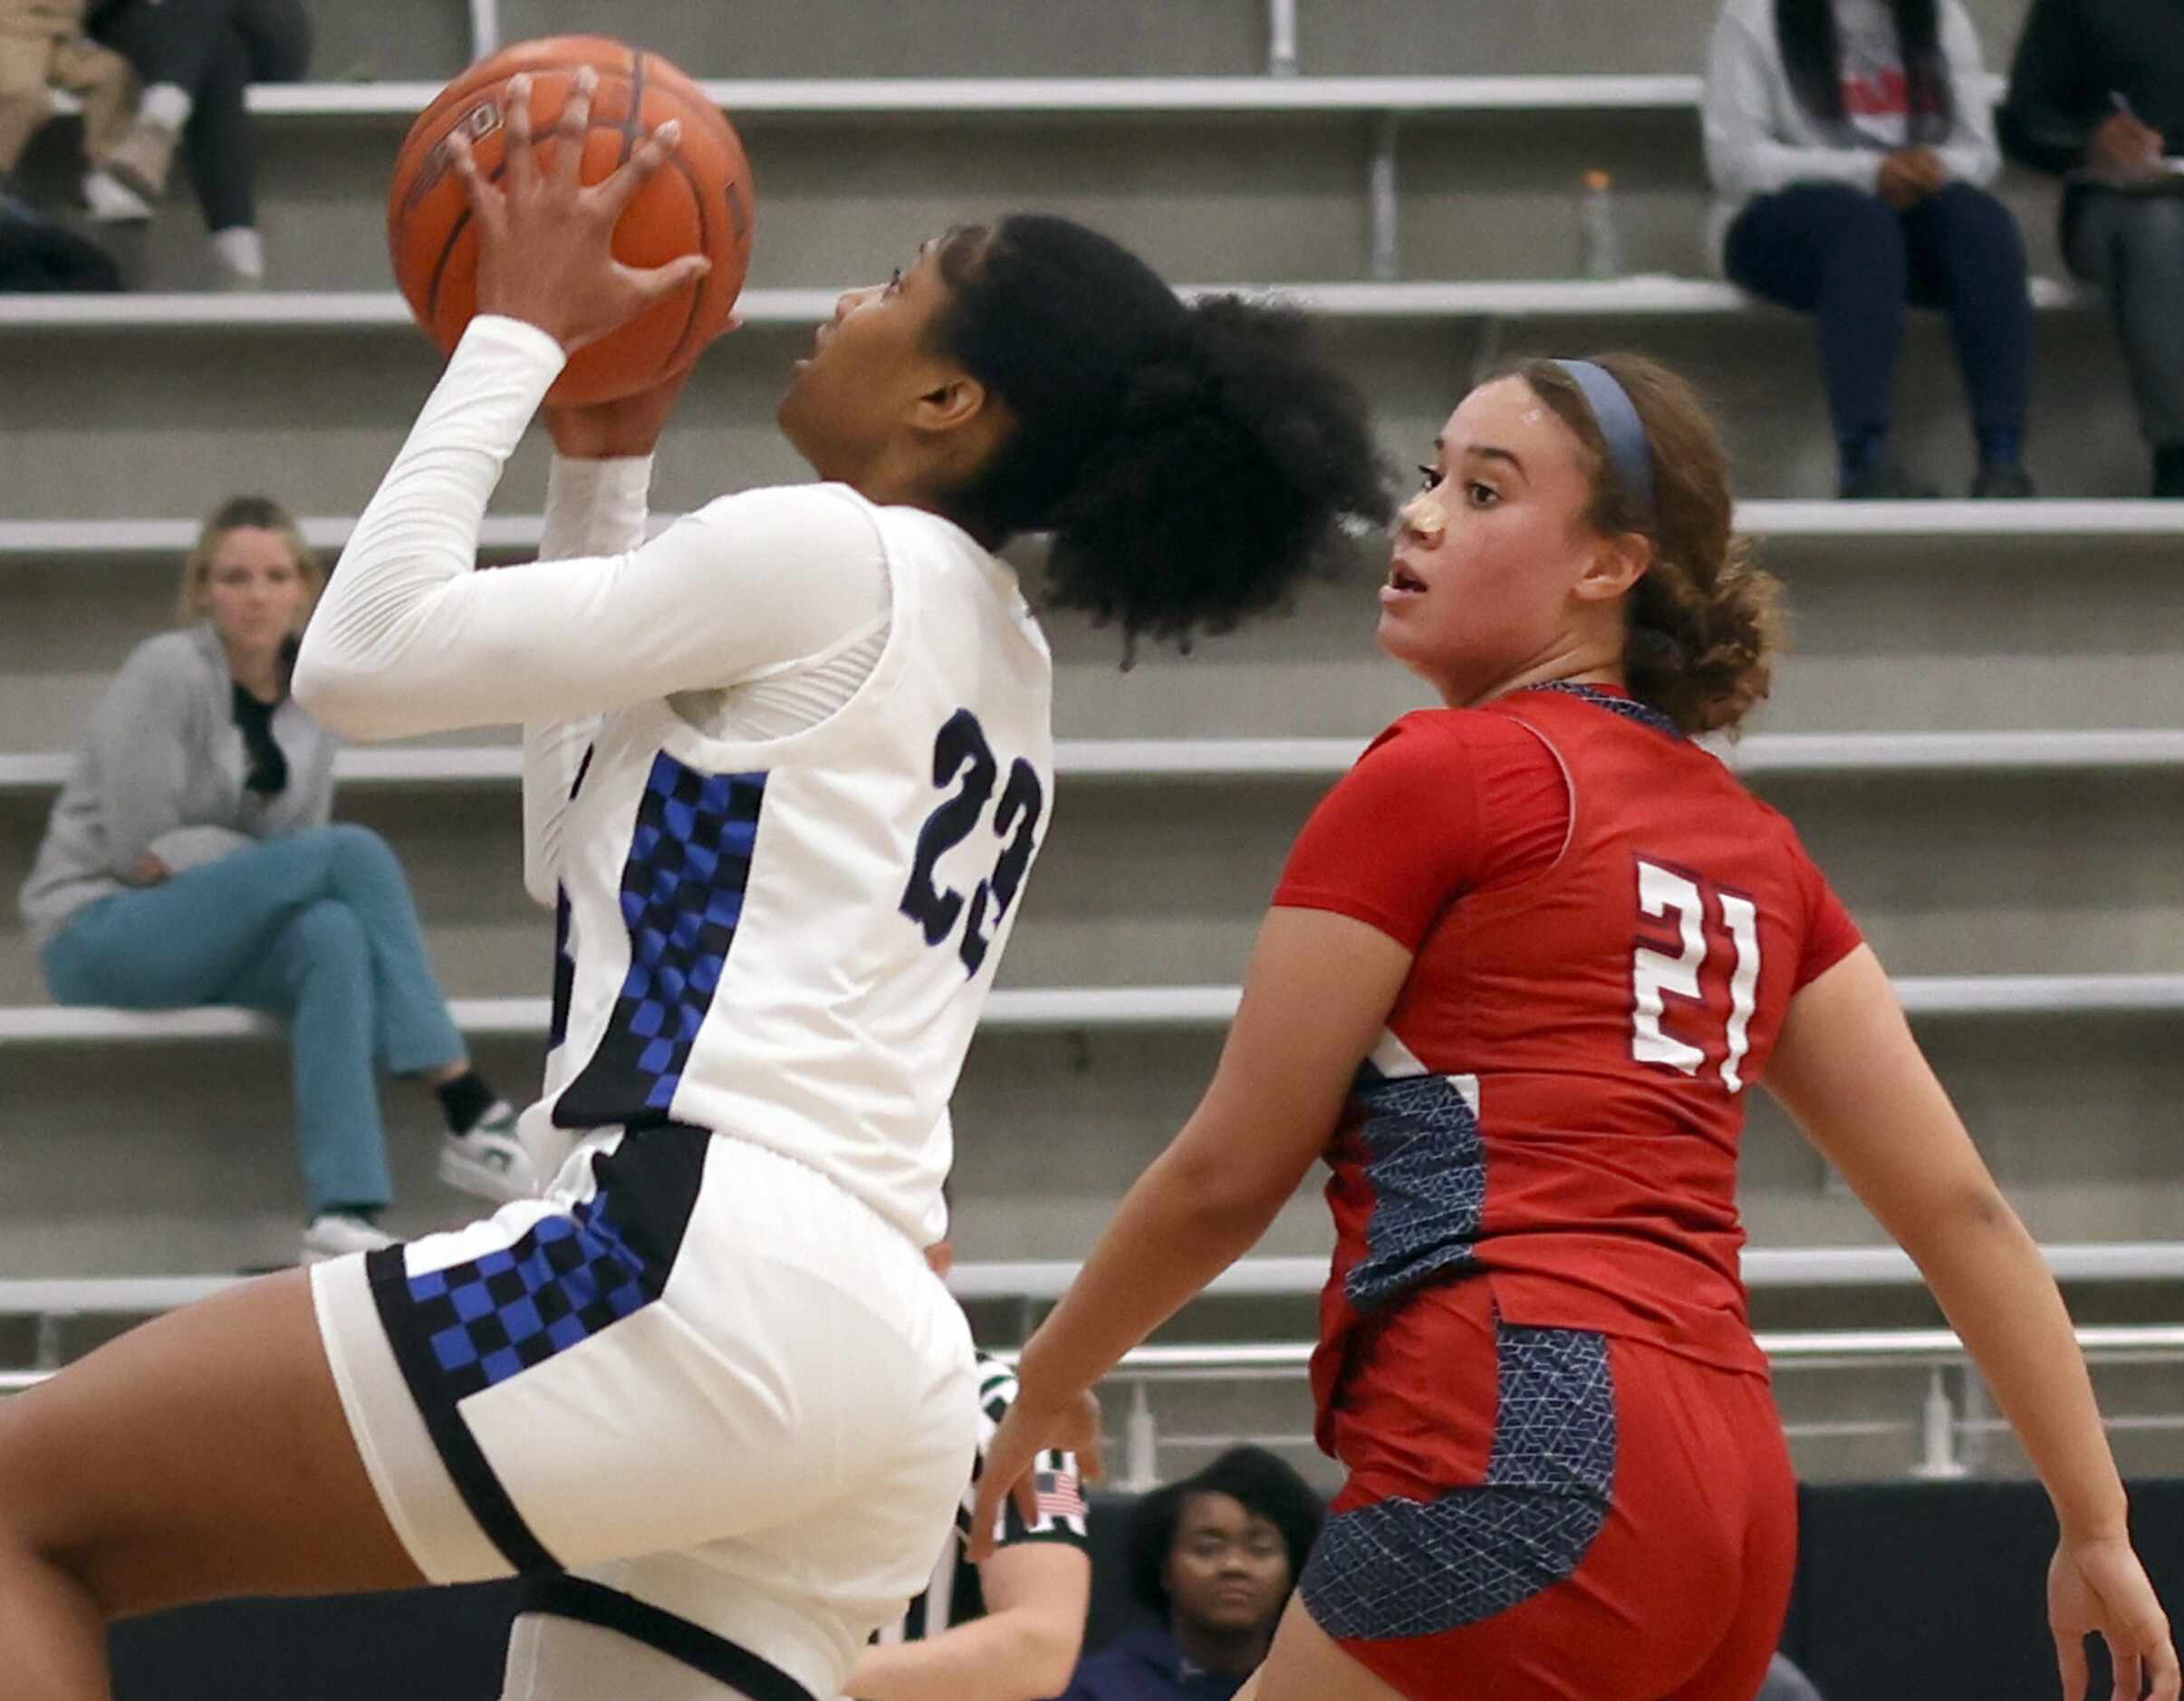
1192	463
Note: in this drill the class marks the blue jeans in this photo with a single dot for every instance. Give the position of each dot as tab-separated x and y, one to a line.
318	928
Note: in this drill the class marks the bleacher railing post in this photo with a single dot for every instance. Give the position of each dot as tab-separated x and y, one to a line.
1140	1444
485	29
1381	190
1281	38
1938	1457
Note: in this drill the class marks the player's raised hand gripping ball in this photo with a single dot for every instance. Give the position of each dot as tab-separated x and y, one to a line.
584	186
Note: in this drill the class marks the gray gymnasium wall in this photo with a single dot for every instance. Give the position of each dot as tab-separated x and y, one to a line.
943	38
158	1158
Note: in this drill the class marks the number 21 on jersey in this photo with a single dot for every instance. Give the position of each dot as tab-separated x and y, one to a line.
1656	975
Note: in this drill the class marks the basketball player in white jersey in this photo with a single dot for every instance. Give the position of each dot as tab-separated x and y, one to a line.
1009	1627
786	767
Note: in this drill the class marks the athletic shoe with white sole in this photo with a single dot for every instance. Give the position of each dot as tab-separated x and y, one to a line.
336	1234
141	160
111	203
489	1161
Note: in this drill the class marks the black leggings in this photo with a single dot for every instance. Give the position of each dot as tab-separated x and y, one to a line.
214	49
1855	262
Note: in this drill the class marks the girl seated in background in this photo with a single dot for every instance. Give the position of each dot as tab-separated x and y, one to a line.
1851	143
190	860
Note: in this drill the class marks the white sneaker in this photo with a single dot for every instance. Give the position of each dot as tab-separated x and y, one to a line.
489	1161
336	1234
112	202
144	157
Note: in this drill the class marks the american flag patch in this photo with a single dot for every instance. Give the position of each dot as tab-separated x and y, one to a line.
1059	1496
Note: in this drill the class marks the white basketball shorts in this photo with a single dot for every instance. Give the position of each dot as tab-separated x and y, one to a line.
704	1399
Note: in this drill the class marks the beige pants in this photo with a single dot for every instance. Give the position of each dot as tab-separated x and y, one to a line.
32	65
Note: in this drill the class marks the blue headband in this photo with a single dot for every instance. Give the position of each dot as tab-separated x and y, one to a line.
1630	449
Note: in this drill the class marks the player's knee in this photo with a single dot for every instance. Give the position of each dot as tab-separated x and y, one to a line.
1977	218
359	857
1866	222
327	932
2153	239
359	846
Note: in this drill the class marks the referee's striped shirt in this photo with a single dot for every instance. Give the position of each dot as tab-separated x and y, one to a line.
953	1596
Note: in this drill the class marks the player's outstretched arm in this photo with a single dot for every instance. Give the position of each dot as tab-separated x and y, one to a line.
1024	1649
1849	1070
394	624
1316	996
598	496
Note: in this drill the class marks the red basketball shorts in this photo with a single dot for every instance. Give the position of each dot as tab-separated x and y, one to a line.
1550	1514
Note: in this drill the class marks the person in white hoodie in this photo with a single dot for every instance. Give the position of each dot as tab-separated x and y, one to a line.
1851	143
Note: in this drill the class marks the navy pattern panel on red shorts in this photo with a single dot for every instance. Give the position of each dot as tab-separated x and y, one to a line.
1403	1568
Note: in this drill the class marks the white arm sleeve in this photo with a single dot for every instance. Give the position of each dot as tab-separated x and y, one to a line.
1743	155
409	639
1972	153
593	508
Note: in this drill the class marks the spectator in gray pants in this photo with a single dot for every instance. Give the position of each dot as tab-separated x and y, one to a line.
2097	97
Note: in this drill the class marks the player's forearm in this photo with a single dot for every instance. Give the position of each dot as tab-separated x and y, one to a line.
1006	1656
1177	1229
594	507
2000	1295
418	532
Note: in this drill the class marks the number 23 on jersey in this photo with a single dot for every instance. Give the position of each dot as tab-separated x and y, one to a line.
963	758
1694	910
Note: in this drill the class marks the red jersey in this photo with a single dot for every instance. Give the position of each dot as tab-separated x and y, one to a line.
1608	929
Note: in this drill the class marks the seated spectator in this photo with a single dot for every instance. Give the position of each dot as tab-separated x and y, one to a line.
42	47
1213	1558
1008	1629
1849	142
188	860
2097	96
197	59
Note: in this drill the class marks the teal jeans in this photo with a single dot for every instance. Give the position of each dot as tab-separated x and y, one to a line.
318	928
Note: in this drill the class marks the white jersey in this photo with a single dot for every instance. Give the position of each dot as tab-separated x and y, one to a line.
783	938
790	940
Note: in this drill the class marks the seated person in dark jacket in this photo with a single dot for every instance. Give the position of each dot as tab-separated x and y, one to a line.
1214	1558
2097	97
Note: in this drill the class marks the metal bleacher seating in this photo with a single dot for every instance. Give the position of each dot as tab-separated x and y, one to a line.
1980	731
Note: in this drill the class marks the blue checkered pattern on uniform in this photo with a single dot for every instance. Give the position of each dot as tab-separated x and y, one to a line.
1402	1568
682	892
566	1278
1428	1168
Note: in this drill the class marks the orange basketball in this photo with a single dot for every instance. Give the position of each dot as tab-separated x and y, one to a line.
700	202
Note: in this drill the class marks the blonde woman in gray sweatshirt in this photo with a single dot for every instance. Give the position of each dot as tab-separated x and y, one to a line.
190	860
1851	143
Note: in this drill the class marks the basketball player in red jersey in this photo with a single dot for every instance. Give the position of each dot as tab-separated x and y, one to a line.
1525	963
